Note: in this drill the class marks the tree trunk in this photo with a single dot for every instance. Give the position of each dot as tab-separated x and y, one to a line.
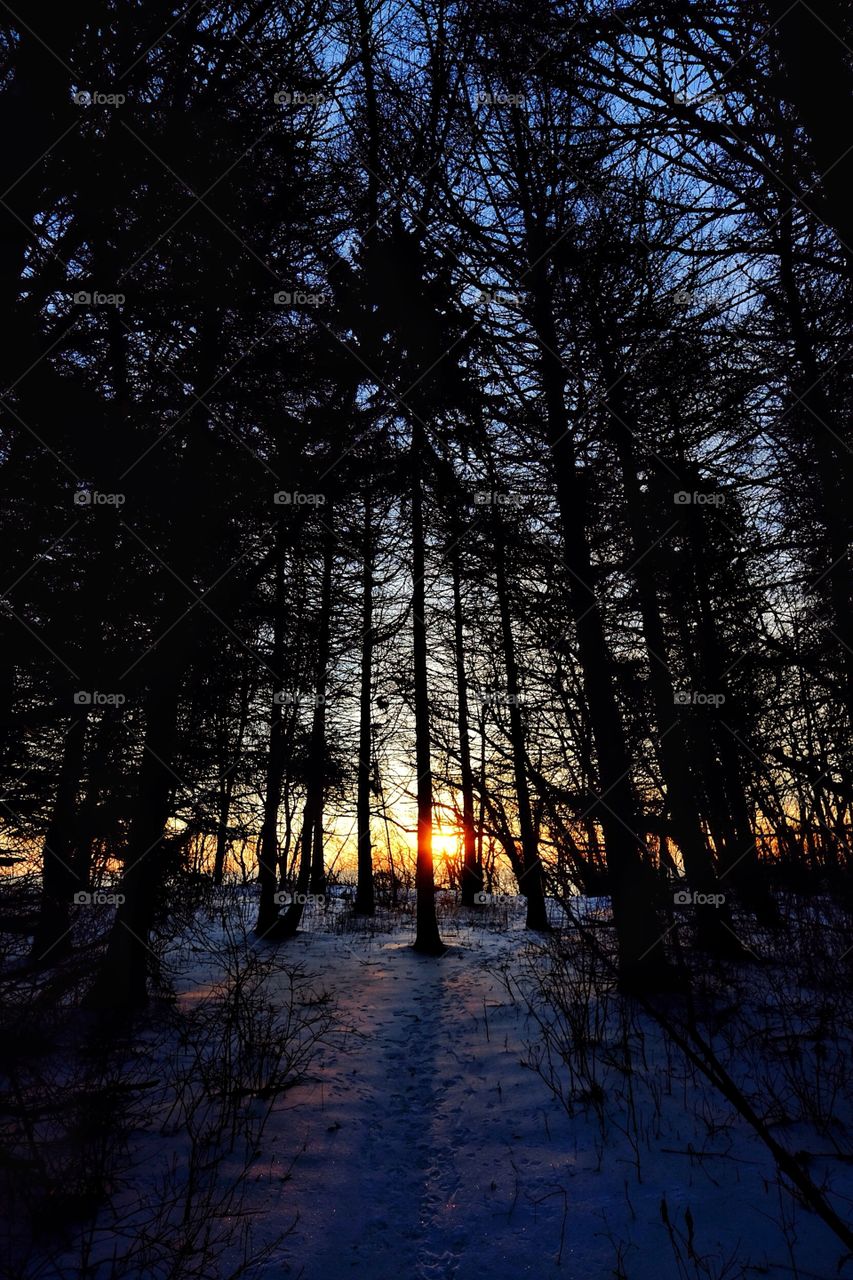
289	923
122	980
833	464
318	872
713	923
226	791
365	901
740	857
427	937
472	872
311	839
531	881
60	877
268	844
86	826
222	815
642	962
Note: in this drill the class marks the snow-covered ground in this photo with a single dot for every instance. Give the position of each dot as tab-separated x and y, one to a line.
428	1146
424	1143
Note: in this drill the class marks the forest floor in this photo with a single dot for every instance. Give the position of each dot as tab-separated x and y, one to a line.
461	1117
426	1143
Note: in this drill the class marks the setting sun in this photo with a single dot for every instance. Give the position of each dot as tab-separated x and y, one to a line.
445	844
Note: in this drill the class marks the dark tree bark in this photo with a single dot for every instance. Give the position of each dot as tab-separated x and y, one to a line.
289	923
97	784
122	980
427	937
60	873
472	871
365	901
311	839
531	879
268	844
738	857
713	922
641	960
318	732
228	773
833	467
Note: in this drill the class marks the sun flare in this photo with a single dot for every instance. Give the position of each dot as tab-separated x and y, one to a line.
445	844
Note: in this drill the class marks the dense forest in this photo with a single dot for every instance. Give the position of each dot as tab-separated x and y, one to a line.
426	466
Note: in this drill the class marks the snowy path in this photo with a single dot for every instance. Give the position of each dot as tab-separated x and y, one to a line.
422	1147
428	1150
